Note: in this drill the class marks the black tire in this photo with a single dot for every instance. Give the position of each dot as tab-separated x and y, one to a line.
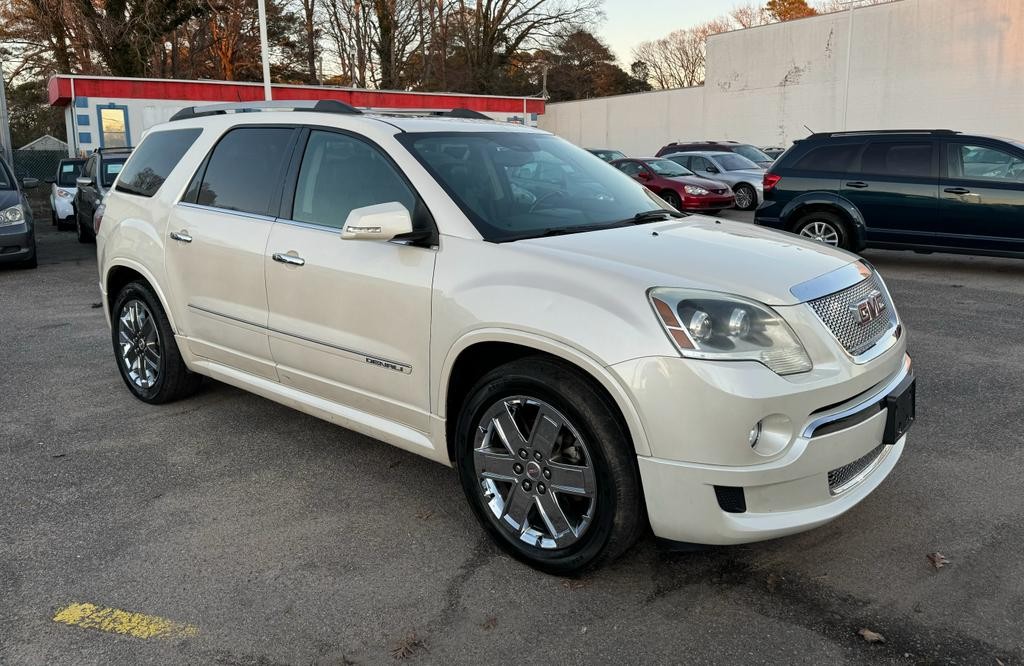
672	199
748	191
173	379
618	516
84	234
831	221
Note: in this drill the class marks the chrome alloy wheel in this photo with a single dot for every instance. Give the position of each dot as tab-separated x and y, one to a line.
139	341
535	472
744	198
823	232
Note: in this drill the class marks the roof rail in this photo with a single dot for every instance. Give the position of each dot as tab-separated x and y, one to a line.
322	106
821	135
113	149
462	112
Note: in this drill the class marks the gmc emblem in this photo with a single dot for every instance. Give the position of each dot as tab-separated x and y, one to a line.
870	308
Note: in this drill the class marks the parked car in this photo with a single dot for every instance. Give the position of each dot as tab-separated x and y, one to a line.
63	188
17	230
677	185
743	176
98	174
607	155
927	190
773	152
752	153
589	363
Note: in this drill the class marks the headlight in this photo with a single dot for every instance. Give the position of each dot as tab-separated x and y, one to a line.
695	190
723	327
63	194
13	215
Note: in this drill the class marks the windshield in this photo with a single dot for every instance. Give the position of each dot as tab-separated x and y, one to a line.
753	154
668	168
5	179
69	171
734	162
514	185
111	167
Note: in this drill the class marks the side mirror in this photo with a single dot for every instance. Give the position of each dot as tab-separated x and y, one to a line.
83	181
51	181
28	182
643	175
379	222
711	169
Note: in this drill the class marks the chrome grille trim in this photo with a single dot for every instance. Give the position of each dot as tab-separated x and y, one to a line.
838	312
843	478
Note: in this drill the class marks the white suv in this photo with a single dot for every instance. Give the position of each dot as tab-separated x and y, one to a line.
493	298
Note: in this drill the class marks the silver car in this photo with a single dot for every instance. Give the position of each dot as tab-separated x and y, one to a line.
743	176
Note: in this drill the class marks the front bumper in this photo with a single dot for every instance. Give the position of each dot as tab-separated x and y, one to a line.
62	208
17	243
702	462
708	202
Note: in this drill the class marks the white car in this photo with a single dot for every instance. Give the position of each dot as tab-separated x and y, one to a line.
62	192
589	360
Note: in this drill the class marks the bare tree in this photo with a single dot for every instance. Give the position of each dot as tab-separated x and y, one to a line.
749	15
678	59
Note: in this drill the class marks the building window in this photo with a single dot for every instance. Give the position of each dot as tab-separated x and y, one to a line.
84	137
83	119
113	126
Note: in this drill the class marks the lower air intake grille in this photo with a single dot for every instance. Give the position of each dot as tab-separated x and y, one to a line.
731	499
843	477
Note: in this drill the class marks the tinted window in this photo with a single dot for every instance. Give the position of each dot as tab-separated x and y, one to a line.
898	159
752	153
340	173
152	162
68	172
984	163
699	163
829	158
111	167
244	171
734	162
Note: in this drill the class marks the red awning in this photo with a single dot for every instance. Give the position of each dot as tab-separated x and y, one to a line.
229	91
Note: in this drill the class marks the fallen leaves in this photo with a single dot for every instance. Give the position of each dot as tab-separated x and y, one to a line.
490	623
425	514
408	646
938	560
772	582
575	584
871	636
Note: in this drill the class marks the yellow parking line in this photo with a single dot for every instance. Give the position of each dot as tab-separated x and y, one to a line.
117	621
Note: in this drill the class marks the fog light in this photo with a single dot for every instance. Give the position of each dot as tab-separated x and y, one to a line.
755	434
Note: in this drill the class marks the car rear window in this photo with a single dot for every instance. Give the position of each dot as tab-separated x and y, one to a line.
111	167
68	172
154	159
244	170
829	158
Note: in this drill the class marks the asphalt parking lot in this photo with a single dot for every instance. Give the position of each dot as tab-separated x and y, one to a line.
281	539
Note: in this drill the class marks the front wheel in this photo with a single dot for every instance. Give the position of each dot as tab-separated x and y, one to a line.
746	197
672	199
547	468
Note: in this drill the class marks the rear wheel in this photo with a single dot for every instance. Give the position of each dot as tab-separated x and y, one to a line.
746	197
823	227
548	470
146	351
672	199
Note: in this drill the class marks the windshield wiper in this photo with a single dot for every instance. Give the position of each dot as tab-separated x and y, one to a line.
656	215
562	231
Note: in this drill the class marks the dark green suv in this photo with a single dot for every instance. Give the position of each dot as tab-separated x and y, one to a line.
931	190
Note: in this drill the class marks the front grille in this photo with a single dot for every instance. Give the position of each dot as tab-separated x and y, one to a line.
838	312
841	477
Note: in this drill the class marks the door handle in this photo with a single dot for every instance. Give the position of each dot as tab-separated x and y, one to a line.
181	236
288	259
857	184
957	190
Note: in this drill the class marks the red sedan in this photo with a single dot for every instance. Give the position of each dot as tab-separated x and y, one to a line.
677	185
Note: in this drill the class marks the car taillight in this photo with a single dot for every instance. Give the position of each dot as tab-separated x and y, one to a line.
97	218
770	181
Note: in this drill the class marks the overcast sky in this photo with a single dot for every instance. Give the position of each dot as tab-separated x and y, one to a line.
631	21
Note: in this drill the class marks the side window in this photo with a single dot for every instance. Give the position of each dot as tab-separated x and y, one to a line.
912	159
630	168
340	173
984	163
699	164
244	170
153	161
829	158
89	168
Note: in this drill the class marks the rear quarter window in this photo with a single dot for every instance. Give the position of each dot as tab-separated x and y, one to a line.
152	162
829	158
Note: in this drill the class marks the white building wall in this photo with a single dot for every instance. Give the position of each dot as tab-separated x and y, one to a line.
914	63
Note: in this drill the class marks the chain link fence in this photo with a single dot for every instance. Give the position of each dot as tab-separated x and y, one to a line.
41	164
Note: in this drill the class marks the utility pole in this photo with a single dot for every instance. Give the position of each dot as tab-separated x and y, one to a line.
265	51
5	119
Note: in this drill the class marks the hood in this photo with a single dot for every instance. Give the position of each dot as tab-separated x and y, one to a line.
697	180
702	252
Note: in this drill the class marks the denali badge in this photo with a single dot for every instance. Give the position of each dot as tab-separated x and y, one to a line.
870	308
